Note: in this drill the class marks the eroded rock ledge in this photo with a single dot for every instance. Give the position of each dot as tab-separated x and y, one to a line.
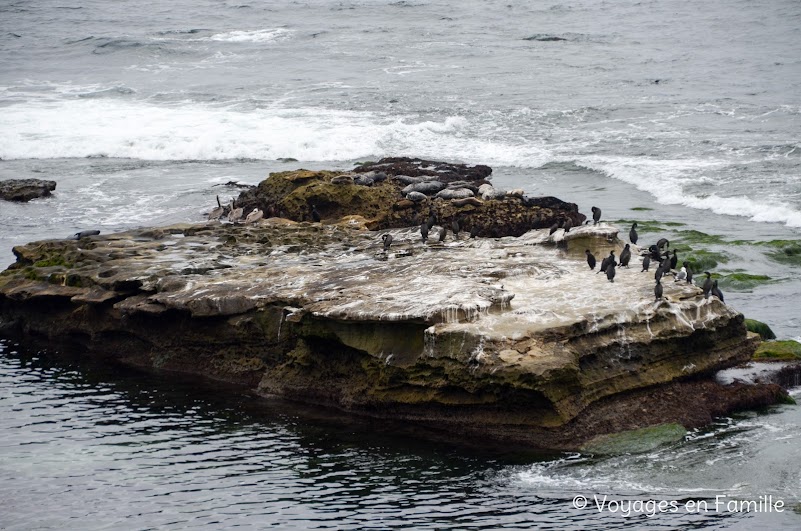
511	338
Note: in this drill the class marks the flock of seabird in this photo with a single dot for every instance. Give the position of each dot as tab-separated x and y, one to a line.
659	253
234	214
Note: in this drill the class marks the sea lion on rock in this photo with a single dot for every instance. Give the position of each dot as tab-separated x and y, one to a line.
85	234
459	193
363	180
406	179
416	196
486	187
427	187
342	179
474	201
403	204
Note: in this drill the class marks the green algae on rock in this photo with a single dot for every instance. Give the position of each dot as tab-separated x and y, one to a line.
758	327
778	350
636	441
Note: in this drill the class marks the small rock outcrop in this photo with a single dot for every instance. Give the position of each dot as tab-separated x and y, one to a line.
403	192
25	189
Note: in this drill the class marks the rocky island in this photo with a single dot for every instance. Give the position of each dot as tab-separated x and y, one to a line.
500	330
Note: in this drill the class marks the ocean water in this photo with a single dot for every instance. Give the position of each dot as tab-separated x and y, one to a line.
667	111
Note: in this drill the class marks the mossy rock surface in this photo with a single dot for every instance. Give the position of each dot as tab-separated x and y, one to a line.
778	350
636	441
382	205
758	327
701	260
743	281
786	253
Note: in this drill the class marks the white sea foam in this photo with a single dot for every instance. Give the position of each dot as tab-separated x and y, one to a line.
262	35
666	180
50	128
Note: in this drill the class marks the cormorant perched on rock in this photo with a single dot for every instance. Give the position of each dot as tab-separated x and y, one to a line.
646	262
387	239
315	215
442	233
610	271
606	261
455	227
432	220
658	273
663	242
716	291
474	231
633	237
665	264
555	227
590	259
596	215
674	260
567	225
689	272
424	231
254	216
625	256
707	284
655	254
658	290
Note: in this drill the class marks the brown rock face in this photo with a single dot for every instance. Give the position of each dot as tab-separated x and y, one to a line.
374	191
25	189
511	338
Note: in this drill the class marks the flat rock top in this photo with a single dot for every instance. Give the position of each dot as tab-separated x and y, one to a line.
499	288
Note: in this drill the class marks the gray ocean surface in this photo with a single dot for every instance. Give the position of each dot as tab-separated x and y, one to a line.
686	112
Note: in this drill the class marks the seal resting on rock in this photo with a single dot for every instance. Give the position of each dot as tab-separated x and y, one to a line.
342	179
467	201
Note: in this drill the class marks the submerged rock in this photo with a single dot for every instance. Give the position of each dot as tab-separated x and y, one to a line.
25	189
508	338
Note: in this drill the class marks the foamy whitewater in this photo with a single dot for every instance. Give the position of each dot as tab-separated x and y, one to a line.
654	111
